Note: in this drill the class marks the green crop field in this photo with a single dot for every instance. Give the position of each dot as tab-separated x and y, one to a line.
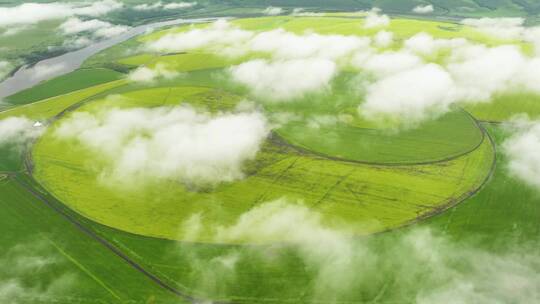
77	80
326	204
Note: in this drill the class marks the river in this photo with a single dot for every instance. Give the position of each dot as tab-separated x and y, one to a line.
28	76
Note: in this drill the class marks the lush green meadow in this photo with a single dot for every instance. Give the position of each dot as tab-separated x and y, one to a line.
77	80
117	245
55	261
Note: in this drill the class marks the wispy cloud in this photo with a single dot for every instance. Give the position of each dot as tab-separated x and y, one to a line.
421	264
423	9
21	268
5	68
165	6
522	149
94	27
32	13
16	131
148	75
374	19
273	11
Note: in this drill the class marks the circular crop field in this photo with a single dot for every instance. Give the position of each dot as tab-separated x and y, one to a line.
370	198
320	153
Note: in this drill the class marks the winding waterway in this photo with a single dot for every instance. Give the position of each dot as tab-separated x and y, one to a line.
28	76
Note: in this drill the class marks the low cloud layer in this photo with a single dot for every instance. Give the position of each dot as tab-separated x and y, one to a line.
26	274
421	264
43	70
375	20
522	149
506	28
472	73
273	11
423	9
177	143
5	68
452	70
414	93
93	27
32	13
284	80
218	35
149	75
226	39
16	131
166	6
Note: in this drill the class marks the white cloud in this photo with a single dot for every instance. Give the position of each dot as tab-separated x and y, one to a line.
31	13
388	63
98	8
505	28
108	32
281	44
179	5
273	11
412	95
522	149
384	39
16	131
486	277
145	74
481	72
282	80
476	73
226	39
423	9
221	33
421	43
5	68
465	62
178	143
330	251
95	27
430	268
301	12
19	266
424	44
40	71
374	19
166	6
77	42
76	25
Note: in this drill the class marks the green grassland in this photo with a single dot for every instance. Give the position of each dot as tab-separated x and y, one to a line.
504	107
469	197
74	81
90	272
48	108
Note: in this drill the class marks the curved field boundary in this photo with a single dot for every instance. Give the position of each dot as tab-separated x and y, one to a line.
454	202
306	151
